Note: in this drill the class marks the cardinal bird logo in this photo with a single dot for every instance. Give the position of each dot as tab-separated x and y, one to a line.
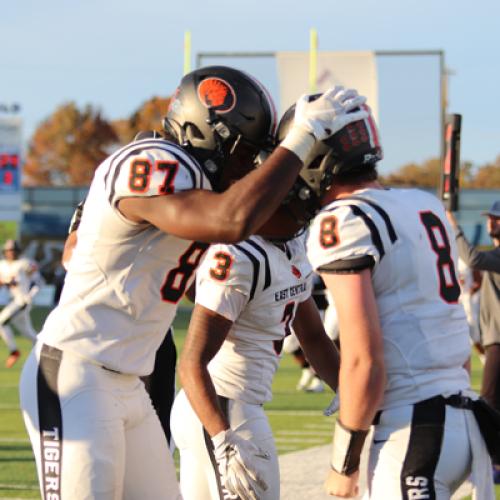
217	94
296	272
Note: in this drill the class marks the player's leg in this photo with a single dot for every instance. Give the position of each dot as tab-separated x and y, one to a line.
417	452
149	467
74	413
199	473
198	477
22	321
8	337
250	422
7	334
29	406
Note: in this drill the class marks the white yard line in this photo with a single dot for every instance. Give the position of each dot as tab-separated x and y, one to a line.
320	425
14	440
14	486
310	440
297	413
304	432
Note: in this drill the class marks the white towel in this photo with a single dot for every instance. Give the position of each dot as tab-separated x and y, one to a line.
482	475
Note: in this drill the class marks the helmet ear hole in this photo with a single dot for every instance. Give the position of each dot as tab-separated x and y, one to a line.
193	132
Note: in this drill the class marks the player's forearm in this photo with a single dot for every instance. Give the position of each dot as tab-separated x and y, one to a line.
206	333
324	358
252	200
200	391
361	385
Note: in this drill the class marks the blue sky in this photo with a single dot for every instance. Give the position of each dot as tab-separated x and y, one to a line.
116	54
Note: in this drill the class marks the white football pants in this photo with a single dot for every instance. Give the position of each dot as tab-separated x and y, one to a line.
422	451
94	432
200	479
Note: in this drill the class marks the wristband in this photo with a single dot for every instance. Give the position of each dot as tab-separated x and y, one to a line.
299	141
220	437
346	450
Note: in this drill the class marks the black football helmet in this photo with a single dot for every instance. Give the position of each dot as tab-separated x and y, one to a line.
352	148
218	113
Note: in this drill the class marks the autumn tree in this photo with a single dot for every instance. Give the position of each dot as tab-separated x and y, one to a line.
147	117
488	176
426	175
68	146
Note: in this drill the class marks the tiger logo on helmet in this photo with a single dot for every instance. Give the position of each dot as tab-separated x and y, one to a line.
217	94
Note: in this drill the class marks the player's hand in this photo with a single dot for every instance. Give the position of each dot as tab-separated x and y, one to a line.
342	486
333	407
330	112
241	465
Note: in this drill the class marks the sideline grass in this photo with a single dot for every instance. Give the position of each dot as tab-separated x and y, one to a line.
296	418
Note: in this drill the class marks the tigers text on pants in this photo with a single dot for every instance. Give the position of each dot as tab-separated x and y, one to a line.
94	432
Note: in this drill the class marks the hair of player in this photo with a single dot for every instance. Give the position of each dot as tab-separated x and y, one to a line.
361	175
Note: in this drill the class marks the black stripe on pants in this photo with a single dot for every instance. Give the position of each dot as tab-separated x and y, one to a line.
424	448
161	383
50	422
224	403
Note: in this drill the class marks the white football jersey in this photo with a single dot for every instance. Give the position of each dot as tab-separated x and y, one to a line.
125	279
23	274
258	286
405	235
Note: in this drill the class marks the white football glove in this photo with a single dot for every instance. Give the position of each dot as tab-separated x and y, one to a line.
333	407
319	119
237	460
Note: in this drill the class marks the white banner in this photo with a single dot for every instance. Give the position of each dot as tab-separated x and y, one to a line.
357	70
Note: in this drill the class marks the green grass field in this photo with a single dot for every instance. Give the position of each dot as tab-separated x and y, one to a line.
296	417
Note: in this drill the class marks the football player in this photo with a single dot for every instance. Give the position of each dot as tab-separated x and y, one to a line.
389	259
248	297
22	279
153	208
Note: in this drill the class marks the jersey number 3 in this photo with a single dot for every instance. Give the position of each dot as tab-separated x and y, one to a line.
449	288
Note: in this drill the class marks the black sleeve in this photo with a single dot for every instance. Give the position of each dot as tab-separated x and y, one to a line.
348	265
481	260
